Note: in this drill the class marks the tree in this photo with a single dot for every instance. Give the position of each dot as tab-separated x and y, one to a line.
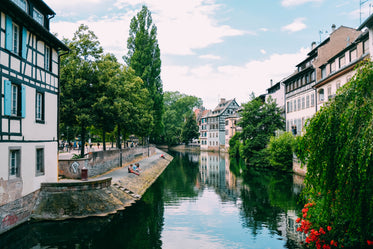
134	104
105	110
280	150
144	57
177	107
190	129
79	81
338	150
259	122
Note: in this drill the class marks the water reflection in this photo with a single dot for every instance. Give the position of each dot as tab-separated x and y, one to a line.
202	200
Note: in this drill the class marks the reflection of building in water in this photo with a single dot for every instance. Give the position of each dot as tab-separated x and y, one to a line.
287	226
214	172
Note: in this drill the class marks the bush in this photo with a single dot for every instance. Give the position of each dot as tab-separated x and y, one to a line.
280	151
338	150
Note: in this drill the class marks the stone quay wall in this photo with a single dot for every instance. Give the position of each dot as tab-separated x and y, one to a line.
100	162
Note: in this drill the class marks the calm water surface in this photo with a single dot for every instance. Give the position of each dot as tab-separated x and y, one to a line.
200	201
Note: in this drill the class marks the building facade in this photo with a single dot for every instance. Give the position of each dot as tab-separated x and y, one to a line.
300	94
340	68
29	86
213	125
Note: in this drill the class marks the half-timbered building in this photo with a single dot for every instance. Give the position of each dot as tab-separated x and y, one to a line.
29	87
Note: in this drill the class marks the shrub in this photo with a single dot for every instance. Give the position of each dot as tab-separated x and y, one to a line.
280	150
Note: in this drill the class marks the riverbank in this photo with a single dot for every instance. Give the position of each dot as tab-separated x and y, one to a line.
99	196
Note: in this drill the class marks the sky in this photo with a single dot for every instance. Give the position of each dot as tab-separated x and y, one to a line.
215	49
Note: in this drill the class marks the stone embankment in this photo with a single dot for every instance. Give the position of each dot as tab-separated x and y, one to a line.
99	196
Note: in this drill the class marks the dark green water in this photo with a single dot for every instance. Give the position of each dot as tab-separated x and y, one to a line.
200	201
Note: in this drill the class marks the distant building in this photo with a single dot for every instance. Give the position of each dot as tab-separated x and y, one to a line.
213	125
232	126
29	86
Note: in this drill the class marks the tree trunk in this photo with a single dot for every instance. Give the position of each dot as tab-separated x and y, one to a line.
82	142
104	140
119	143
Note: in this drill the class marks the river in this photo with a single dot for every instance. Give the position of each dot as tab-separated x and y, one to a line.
202	200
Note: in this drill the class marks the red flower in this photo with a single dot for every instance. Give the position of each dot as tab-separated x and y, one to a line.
326	247
329	228
298	220
370	242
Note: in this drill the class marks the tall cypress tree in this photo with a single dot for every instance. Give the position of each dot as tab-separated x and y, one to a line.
144	57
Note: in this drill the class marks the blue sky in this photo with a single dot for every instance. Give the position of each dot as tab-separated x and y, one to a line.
216	49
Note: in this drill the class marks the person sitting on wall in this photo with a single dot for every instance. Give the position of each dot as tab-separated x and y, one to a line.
131	170
137	167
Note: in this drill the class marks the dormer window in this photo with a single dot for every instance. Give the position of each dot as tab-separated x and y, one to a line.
22	4
38	17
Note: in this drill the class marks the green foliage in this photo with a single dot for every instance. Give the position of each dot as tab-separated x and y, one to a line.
280	149
79	80
234	146
259	122
144	57
338	150
190	129
177	107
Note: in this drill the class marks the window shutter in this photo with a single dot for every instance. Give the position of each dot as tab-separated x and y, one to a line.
23	101
8	33
7	97
24	43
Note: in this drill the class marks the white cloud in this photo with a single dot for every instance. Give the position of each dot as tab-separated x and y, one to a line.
288	3
263	29
263	51
296	25
210	57
230	81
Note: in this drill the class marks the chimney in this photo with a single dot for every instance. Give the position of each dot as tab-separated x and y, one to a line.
222	100
271	82
333	27
313	45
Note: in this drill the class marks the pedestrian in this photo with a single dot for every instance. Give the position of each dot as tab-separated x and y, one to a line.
131	170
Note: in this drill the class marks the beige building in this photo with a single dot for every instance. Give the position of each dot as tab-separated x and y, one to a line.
340	68
300	95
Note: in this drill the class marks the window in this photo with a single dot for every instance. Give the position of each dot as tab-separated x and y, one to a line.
15	38
353	54
321	95
47	58
332	67
40	161
295	105
323	72
22	4
312	99
38	17
329	93
313	76
307	101
299	104
366	46
14	163
14	99
342	61
303	102
39	107
338	85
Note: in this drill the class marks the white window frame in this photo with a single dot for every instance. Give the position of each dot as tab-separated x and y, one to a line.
14	162
38	16
40	161
15	38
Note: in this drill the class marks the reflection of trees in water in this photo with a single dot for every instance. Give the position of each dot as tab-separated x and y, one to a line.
267	200
139	226
180	179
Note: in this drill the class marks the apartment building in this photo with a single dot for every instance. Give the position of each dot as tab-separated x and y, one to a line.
29	87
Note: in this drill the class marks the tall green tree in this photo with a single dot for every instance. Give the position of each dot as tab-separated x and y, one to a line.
259	122
105	109
79	81
338	150
144	57
190	129
177	107
134	104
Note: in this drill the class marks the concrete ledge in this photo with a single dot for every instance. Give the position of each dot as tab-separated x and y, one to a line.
76	185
